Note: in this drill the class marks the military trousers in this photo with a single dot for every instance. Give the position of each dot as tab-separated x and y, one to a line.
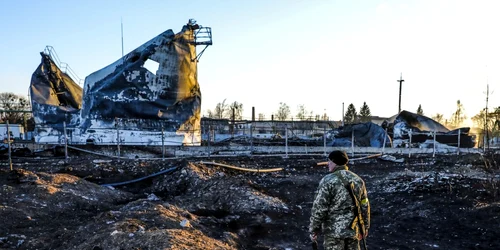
341	244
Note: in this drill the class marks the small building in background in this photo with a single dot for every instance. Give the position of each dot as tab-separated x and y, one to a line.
16	131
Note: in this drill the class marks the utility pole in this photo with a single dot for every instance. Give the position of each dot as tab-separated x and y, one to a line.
342	114
486	143
400	86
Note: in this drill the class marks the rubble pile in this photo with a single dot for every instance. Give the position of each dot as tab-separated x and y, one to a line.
207	189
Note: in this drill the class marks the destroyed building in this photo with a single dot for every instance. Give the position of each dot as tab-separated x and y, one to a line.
406	129
125	102
55	100
421	129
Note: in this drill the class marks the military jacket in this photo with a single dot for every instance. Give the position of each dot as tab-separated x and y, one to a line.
333	207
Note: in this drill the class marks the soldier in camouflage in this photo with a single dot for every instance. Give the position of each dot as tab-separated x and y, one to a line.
333	207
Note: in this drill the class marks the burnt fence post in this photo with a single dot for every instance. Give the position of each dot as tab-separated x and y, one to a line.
65	141
9	145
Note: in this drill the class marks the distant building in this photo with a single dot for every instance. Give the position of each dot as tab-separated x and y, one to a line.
221	129
379	120
16	131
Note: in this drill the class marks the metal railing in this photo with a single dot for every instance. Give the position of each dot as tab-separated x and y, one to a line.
64	67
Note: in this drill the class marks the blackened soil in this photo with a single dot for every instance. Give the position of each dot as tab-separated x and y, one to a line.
442	202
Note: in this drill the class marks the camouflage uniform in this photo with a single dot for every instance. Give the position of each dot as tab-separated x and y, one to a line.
332	210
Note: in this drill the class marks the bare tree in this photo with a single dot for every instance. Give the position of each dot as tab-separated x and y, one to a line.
238	111
209	113
492	121
220	110
303	113
420	111
325	117
11	104
283	112
438	118
261	117
458	116
479	119
496	117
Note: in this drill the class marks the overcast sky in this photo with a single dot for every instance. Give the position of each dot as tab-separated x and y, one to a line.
317	53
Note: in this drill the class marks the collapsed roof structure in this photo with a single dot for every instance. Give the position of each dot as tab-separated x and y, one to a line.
366	134
421	128
55	97
402	130
125	102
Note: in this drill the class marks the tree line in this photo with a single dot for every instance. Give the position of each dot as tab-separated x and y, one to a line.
490	122
234	111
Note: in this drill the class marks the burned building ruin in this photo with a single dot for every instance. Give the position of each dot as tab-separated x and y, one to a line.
406	129
125	102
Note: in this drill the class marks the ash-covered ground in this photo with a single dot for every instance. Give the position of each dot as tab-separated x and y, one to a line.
425	202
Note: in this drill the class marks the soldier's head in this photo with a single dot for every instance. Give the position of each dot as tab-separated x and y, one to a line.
337	158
